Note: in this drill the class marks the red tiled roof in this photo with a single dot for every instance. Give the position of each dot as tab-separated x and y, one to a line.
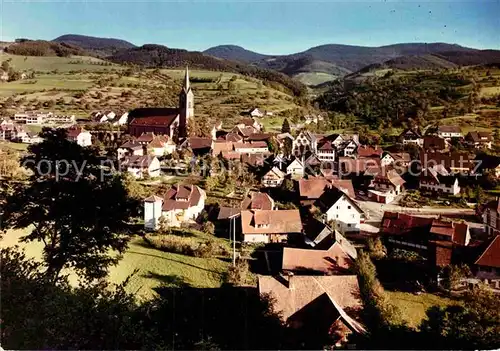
491	255
200	143
146	137
368	151
396	223
332	261
181	197
257	201
154	121
449	129
277	221
234	137
220	146
313	188
74	131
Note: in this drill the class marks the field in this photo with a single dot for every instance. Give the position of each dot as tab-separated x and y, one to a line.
154	267
414	307
81	85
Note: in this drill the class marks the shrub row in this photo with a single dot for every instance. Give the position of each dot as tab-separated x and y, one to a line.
186	246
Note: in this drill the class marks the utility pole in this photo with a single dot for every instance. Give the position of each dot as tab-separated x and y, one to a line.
234	242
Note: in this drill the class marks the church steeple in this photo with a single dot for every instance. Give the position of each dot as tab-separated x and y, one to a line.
186	80
186	105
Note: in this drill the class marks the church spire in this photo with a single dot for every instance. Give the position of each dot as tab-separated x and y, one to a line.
186	79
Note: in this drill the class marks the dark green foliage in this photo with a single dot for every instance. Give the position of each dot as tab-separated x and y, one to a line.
105	46
39	315
285	128
394	102
473	325
44	48
78	210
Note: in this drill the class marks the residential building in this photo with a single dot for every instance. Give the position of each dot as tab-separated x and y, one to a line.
270	226
479	140
368	151
250	122
348	148
79	136
145	138
336	206
326	151
387	185
199	146
436	143
180	204
439	180
397	159
453	162
296	168
130	148
448	132
257	201
273	178
491	217
141	166
255	112
161	145
412	136
312	189
487	266
305	142
320	307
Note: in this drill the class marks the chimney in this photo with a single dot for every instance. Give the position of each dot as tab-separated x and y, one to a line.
291	286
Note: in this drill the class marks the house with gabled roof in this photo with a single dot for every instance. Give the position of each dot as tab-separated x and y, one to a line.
130	148
305	142
438	179
488	263
161	145
313	188
273	178
296	168
180	204
412	136
141	166
79	136
479	140
270	226
436	143
448	132
336	206
325	308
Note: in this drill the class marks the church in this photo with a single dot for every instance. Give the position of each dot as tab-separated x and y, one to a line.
164	121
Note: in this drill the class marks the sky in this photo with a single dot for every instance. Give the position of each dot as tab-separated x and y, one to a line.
270	27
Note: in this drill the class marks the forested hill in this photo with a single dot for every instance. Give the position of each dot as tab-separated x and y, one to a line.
152	55
43	48
103	46
235	53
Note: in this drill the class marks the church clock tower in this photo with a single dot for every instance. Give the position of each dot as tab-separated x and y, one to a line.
186	105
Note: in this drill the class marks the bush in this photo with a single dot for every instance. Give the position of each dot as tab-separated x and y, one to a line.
188	246
237	274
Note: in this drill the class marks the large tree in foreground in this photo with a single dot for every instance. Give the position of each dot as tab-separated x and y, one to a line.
76	207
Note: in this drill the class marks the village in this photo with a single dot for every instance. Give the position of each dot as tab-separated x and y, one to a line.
317	200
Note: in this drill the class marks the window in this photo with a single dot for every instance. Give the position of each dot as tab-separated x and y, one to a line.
349	225
349	207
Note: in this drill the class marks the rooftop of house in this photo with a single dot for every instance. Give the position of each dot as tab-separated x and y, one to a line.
307	261
252	145
136	161
369	151
395	223
330	197
75	131
233	137
491	255
154	121
412	132
181	197
220	146
296	293
359	165
389	176
132	144
257	201
449	129
270	222
479	137
278	172
146	137
196	143
228	212
455	231
259	137
313	188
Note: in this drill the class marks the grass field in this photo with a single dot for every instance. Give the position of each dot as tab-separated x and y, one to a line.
414	307
49	63
154	267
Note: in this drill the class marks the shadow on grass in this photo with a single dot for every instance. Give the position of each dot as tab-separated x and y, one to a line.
171	280
172	260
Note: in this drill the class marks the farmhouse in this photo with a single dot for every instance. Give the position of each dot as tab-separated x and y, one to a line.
312	189
488	263
448	132
180	204
479	139
273	178
305	142
439	180
412	136
296	168
336	206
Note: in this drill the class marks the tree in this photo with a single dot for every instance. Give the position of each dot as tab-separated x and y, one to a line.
77	210
285	128
453	275
208	227
474	324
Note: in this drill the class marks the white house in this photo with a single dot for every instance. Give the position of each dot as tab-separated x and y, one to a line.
79	136
255	112
180	204
141	166
130	148
122	120
348	148
296	168
161	145
439	180
326	151
305	142
449	132
336	206
273	178
412	136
